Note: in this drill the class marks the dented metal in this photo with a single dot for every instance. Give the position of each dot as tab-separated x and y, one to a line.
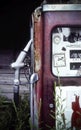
37	13
37	66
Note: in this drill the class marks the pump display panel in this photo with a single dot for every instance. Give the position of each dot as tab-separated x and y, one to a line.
66	51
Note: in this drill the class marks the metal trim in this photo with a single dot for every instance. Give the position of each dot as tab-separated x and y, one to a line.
61	7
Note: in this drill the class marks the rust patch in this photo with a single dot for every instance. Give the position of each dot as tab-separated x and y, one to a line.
37	38
37	60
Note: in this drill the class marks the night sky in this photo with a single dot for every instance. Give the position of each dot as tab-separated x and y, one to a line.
15	21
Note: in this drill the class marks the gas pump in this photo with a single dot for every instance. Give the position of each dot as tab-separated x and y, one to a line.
56	54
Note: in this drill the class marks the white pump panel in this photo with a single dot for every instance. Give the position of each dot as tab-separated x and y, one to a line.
66	51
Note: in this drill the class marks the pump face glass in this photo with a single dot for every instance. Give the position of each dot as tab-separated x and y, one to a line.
66	51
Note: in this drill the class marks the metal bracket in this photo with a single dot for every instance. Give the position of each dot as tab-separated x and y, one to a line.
33	79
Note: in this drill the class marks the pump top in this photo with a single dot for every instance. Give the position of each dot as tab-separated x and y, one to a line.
62	1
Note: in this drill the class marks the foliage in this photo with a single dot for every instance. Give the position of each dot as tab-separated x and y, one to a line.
59	114
12	117
5	114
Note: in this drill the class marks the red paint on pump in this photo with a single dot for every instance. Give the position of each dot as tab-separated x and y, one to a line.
43	48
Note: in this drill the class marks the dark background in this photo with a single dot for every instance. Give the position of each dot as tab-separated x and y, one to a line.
15	22
15	18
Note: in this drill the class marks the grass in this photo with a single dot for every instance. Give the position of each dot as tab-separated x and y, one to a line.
12	117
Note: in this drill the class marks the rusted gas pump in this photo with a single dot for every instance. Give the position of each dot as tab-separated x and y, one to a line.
56	54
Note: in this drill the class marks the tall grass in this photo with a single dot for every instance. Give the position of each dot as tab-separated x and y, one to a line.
12	117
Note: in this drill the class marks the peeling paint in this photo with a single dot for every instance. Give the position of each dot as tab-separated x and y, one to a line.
37	60
37	40
37	13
